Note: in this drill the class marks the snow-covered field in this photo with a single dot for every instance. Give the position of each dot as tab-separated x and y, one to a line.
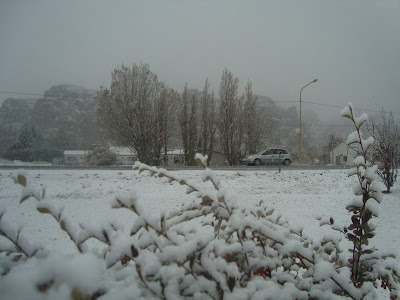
299	196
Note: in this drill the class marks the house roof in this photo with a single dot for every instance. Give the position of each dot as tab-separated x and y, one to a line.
355	147
76	152
175	152
181	151
122	151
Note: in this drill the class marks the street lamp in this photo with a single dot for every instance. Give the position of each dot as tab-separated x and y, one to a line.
300	155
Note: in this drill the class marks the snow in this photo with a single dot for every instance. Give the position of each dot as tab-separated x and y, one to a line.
86	197
85	269
202	159
360	120
367	143
123	151
347	111
353	138
76	152
23	164
175	152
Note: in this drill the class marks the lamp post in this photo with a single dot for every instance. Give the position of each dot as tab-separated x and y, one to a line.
300	133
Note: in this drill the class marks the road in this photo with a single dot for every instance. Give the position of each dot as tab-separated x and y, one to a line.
177	168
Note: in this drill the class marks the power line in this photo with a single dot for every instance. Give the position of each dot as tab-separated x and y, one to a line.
277	101
34	94
330	105
321	125
19	93
338	106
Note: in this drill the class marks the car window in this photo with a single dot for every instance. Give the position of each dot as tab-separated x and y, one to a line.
281	151
268	152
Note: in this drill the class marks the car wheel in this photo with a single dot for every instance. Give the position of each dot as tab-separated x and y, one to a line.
257	162
287	162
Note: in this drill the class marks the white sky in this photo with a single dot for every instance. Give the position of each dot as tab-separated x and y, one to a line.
352	47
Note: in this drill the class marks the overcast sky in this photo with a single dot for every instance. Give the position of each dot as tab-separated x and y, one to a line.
352	47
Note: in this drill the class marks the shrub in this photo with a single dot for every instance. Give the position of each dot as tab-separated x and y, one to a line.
101	156
236	253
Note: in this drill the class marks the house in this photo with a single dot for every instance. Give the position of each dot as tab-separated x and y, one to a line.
124	155
344	155
175	157
75	157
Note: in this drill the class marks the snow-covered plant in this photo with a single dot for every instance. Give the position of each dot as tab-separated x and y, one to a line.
237	253
101	156
365	264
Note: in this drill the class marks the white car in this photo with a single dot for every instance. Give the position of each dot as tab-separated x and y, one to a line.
269	156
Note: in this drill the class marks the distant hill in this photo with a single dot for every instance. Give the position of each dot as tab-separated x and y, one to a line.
65	117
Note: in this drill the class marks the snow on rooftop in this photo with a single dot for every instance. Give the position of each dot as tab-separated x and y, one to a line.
125	151
76	152
175	152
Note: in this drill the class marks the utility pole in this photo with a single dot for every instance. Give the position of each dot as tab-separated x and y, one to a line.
300	132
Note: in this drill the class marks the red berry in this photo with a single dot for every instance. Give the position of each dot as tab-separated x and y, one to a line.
350	260
260	272
125	260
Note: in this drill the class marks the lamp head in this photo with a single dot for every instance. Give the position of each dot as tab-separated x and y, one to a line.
315	80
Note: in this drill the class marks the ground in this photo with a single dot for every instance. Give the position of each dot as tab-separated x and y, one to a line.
299	196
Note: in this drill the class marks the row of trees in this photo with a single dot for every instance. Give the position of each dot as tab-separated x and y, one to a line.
142	113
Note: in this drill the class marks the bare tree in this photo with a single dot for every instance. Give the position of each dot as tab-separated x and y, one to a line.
161	121
230	117
385	132
132	113
165	110
207	122
188	125
193	132
171	119
184	121
254	121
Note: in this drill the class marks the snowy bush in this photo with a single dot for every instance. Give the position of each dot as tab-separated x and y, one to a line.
101	156
210	248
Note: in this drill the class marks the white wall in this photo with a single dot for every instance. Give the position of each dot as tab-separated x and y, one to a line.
343	155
